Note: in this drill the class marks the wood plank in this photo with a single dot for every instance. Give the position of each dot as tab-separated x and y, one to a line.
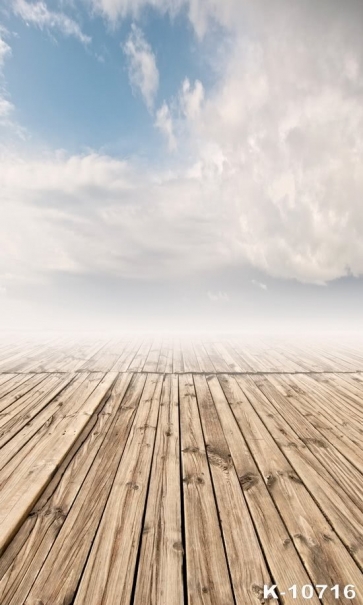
21	385
237	357
282	555
21	490
344	474
139	359
25	409
189	357
24	557
19	447
165	364
255	362
289	363
327	399
49	360
76	359
19	357
207	571
318	545
344	517
204	362
106	357
230	361
128	354
216	358
66	544
91	362
5	379
151	362
282	488
178	362
109	572
33	360
159	577
60	492
351	391
345	439
247	566
339	360
9	349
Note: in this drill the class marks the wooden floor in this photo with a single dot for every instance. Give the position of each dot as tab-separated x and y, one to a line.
167	471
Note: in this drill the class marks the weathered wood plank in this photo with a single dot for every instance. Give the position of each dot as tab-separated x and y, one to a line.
165	363
128	354
109	573
81	504
59	494
159	578
189	357
346	439
26	408
207	571
344	474
203	359
24	557
327	402
302	472
178	362
8	382
20	386
306	523
18	448
279	549
151	363
21	489
246	561
139	358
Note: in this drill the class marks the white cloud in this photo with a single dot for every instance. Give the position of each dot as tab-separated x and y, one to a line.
218	296
271	171
39	14
143	71
93	214
280	134
200	12
5	50
6	107
259	284
119	9
164	123
184	110
191	99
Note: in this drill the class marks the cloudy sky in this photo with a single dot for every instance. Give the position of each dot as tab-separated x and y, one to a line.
181	162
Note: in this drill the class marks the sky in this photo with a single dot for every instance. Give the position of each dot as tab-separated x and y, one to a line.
181	163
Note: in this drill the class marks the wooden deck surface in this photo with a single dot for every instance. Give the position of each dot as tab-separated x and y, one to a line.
163	471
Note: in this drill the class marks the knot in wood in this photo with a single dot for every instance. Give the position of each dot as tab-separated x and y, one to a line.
248	480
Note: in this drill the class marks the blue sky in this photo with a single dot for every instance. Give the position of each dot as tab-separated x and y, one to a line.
77	96
188	156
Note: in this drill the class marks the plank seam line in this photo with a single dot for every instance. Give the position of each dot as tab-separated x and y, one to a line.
182	508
